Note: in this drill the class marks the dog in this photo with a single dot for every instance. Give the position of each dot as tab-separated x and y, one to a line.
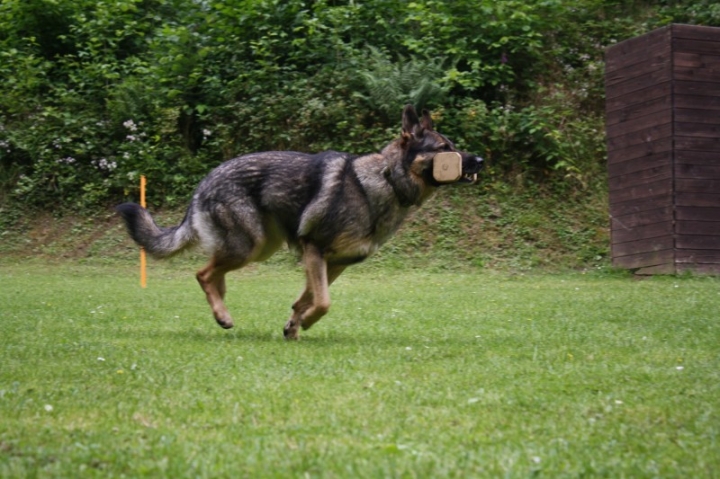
334	209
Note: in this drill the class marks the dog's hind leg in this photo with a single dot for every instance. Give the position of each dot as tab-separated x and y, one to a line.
234	234
314	301
212	282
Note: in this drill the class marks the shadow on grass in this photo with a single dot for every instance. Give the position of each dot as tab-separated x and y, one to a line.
208	335
317	339
213	335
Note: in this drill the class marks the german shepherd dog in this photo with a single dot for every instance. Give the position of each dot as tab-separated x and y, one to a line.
333	208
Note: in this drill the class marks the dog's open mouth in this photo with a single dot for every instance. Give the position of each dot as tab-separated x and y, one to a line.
470	168
451	167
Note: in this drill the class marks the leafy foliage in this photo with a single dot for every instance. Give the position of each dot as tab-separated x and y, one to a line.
93	94
391	85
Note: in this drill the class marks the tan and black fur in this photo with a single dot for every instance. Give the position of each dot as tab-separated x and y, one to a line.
334	208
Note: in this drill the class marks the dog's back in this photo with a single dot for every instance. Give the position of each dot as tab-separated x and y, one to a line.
258	197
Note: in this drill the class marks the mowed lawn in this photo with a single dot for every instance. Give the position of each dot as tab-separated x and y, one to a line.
412	374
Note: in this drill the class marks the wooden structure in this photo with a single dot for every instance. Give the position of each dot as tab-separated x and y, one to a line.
663	139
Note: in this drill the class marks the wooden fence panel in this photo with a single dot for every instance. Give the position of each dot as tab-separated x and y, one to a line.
663	140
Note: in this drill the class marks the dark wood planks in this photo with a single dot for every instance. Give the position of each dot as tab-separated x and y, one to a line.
696	107
663	141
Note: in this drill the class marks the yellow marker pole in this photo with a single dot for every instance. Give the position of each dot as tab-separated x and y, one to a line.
143	261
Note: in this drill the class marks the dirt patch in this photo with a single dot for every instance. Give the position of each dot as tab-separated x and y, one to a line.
70	237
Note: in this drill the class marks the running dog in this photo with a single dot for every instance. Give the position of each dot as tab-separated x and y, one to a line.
333	208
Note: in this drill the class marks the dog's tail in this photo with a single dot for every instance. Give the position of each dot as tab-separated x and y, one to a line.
157	241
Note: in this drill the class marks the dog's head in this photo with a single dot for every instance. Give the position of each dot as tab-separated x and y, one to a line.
432	157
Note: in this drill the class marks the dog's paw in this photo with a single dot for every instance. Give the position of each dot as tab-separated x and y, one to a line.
290	331
224	322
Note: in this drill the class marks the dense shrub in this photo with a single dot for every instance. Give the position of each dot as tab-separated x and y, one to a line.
95	93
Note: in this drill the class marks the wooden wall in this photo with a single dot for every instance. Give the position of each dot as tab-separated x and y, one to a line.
663	140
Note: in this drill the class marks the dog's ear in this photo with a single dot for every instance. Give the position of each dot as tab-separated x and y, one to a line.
427	122
411	123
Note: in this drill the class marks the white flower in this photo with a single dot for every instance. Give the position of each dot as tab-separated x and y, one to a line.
104	164
48	407
130	125
207	132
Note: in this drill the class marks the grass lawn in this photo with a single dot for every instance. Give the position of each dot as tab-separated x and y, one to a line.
412	374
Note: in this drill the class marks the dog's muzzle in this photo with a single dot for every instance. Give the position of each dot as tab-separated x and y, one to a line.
449	167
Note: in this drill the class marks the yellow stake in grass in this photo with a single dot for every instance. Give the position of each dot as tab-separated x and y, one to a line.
143	262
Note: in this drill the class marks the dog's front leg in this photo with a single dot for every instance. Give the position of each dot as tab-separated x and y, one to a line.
305	300
314	302
333	271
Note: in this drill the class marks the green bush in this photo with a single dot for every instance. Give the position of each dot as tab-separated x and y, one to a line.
94	94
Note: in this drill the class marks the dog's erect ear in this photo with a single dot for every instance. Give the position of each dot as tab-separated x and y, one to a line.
427	122
411	123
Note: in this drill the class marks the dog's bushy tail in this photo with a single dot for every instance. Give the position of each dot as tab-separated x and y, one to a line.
157	241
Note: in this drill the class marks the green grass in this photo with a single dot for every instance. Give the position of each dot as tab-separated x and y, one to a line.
412	374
